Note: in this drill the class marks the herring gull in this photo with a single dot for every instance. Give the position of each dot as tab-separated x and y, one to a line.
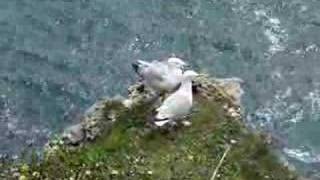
160	76
179	103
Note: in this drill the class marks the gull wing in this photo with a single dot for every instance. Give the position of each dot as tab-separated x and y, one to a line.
155	70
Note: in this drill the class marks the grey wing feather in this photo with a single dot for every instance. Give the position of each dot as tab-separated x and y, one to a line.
156	71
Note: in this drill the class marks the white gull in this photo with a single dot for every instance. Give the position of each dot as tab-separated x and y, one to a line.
179	103
160	76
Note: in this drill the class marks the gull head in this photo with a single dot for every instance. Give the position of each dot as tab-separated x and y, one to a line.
176	62
189	74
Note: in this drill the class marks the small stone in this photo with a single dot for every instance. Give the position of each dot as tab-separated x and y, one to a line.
98	164
186	123
112	117
231	110
127	103
16	174
88	172
232	141
149	172
93	133
114	172
24	168
74	134
92	123
60	142
22	177
36	174
233	113
190	157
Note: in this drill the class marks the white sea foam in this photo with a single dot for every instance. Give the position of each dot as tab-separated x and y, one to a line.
313	100
283	113
276	34
280	111
302	155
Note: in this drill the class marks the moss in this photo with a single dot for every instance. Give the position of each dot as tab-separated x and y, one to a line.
131	150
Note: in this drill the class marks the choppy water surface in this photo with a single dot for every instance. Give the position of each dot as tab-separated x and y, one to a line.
58	57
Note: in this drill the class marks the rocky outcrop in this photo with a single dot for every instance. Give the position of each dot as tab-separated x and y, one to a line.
100	117
116	141
74	134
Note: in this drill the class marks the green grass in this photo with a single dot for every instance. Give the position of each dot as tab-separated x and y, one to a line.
132	151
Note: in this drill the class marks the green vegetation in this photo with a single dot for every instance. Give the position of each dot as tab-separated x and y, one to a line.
131	150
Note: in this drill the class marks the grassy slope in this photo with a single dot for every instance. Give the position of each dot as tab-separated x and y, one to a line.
132	151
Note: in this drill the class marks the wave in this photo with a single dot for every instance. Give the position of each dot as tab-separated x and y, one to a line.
302	155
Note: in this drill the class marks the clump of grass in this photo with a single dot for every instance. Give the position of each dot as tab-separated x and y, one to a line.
131	150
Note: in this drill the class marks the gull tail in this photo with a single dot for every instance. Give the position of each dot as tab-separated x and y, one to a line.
135	67
161	123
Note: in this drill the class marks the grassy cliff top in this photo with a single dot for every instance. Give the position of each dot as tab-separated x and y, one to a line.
131	149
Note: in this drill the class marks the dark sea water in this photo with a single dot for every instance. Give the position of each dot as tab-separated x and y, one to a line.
57	57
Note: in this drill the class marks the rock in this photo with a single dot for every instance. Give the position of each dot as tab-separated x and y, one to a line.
118	97
36	174
22	177
137	93
219	88
95	108
114	172
88	172
232	141
100	117
233	113
232	87
186	123
73	135
92	133
112	116
15	174
127	103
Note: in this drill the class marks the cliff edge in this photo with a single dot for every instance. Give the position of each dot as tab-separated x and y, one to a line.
116	140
